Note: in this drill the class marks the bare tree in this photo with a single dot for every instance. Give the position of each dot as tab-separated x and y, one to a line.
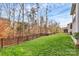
0	9
37	7
41	23
46	20
13	18
29	17
33	14
19	24
22	15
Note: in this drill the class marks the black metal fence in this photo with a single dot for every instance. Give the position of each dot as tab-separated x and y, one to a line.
4	42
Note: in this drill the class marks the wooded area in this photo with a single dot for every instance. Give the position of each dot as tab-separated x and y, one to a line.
23	21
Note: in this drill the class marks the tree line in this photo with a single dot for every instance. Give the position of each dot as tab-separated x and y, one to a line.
28	21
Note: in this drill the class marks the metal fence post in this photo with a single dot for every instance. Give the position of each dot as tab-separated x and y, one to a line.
1	42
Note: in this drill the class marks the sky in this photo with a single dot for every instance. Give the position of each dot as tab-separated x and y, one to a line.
59	12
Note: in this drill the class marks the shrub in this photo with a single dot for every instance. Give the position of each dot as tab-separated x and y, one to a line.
76	35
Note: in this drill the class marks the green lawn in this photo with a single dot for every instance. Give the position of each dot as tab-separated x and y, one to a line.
58	44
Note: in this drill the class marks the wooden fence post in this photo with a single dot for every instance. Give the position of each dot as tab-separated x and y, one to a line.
1	42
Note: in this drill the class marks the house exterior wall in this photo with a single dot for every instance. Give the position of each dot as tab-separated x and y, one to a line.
73	26
75	19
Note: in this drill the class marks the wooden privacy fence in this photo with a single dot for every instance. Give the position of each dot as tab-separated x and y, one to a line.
4	42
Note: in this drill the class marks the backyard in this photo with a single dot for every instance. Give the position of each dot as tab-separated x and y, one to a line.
53	45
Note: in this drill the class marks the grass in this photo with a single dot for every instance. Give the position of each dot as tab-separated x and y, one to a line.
53	45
